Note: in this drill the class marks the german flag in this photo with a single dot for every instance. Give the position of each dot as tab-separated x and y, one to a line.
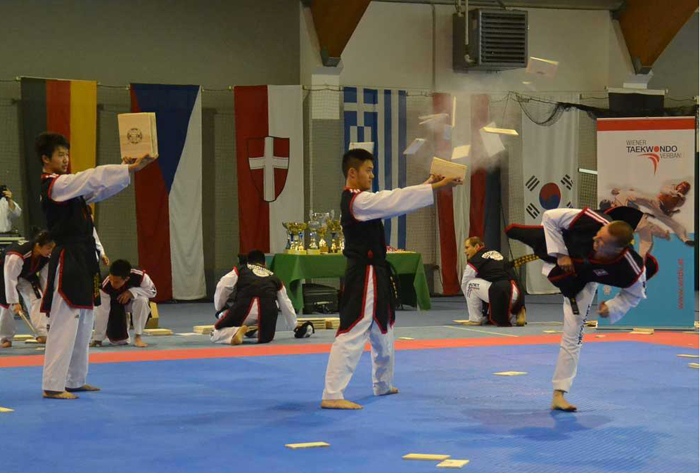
68	107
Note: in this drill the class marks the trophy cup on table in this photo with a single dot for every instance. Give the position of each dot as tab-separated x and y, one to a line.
300	227
289	227
317	228
334	228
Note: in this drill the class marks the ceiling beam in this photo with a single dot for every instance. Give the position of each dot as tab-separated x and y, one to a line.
335	21
649	26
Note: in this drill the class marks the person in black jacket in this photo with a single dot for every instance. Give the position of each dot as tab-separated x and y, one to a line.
489	279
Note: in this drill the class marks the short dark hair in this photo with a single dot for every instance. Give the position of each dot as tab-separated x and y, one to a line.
120	268
42	238
621	232
47	142
256	257
475	241
354	158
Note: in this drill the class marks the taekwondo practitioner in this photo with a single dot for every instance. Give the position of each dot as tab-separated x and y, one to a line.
646	229
125	290
24	268
581	249
488	278
72	289
368	301
662	207
258	292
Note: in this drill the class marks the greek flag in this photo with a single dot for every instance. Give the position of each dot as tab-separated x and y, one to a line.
379	115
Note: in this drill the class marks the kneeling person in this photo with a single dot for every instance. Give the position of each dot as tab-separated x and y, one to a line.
489	279
257	294
126	289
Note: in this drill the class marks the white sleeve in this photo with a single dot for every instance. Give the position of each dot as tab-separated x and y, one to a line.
387	204
94	184
555	221
12	269
44	277
627	298
147	289
469	274
224	289
17	210
98	243
290	317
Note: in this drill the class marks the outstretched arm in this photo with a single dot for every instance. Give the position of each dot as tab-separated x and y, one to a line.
94	184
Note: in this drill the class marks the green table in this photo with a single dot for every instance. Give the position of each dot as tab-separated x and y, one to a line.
293	269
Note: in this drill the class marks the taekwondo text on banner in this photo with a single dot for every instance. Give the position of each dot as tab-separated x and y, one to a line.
379	116
169	192
648	164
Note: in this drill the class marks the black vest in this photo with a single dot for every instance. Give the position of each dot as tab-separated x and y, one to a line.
622	272
256	285
365	249
492	267
117	329
70	225
30	268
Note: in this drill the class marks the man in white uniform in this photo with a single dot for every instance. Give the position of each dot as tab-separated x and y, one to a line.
73	280
368	301
9	209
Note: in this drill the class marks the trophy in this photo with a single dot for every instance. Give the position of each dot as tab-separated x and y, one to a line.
300	227
289	227
334	228
317	227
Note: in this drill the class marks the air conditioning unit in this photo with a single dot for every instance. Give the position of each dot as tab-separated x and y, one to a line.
497	40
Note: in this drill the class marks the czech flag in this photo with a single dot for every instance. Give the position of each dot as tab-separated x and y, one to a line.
169	192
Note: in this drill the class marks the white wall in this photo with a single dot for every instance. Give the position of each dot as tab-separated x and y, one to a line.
392	47
677	67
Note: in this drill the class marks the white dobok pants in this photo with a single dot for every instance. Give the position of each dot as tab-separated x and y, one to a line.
478	292
348	347
138	307
67	347
572	338
33	304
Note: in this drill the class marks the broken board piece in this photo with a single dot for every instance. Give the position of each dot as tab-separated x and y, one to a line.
153	320
318	323
600	336
425	456
415	145
295	446
365	145
454	111
510	373
157	332
687	356
500	131
552	331
6	409
452	463
697	324
31	340
203	329
694	365
405	338
542	67
460	152
592	323
332	322
441	167
643	331
22	338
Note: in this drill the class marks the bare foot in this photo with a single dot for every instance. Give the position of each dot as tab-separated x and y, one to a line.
6	344
138	342
390	392
41	339
238	338
84	387
95	343
561	404
339	404
59	395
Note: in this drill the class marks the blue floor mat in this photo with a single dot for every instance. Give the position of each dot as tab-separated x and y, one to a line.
638	412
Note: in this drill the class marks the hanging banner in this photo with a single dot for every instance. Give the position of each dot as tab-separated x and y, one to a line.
648	163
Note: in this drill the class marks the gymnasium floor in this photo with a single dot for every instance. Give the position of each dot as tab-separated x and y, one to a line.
184	404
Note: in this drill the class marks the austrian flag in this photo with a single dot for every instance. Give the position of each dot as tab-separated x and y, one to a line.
270	164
